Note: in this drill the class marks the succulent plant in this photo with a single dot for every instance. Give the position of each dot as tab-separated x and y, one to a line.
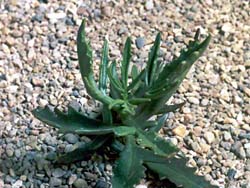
129	101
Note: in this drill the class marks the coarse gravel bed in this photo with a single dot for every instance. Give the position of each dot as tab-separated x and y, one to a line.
38	66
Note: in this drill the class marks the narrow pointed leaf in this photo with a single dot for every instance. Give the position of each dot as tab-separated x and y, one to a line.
84	53
137	101
157	144
114	80
176	171
74	122
134	72
170	108
137	80
107	115
160	123
125	62
172	72
152	60
178	68
103	68
129	169
103	78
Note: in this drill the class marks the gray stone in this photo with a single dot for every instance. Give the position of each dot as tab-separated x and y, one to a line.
240	152
238	149
101	184
71	138
139	42
194	100
68	148
149	5
248	153
227	136
55	182
209	136
231	173
72	179
58	172
80	183
51	156
9	152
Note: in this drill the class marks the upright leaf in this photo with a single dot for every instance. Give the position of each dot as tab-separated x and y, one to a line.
103	68
170	108
125	62
129	169
115	84
113	77
103	78
137	80
84	53
152	60
160	123
134	72
172	74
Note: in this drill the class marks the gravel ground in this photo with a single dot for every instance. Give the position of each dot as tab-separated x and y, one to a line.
38	66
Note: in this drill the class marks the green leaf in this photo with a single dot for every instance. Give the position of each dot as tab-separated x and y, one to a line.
152	60
160	123
75	122
129	169
148	124
103	78
137	101
84	53
125	62
137	80
176	171
170	78
114	80
170	108
178	68
157	144
79	153
134	72
103	68
107	115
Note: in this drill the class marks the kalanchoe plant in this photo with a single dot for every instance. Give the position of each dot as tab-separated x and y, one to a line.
129	101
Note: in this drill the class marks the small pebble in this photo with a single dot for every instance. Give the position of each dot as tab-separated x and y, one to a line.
140	41
180	131
209	136
80	183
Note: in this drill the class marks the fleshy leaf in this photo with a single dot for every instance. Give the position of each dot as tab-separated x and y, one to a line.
152	60
170	108
137	80
134	72
157	144
125	62
84	53
103	78
75	122
160	123
103	68
176	171
129	169
171	77
113	77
